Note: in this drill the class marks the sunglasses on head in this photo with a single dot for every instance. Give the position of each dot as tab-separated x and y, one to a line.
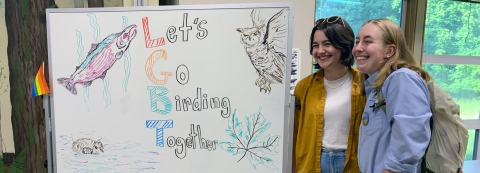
330	20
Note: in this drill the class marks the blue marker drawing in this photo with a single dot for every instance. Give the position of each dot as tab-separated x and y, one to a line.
96	35
115	155
80	47
106	94
156	96
81	57
95	26
159	125
245	140
128	62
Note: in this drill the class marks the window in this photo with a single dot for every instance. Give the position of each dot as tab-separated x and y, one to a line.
462	82
356	12
452	56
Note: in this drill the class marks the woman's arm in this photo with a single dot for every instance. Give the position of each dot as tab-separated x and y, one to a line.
408	101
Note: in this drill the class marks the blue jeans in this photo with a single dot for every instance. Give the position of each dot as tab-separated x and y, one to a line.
332	161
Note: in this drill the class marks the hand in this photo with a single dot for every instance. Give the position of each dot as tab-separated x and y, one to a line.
387	171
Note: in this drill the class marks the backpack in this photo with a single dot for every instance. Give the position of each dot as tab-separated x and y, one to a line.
448	142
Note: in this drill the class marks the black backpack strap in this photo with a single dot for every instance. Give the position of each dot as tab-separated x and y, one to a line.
424	163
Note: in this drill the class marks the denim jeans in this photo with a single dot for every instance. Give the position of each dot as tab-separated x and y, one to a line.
332	161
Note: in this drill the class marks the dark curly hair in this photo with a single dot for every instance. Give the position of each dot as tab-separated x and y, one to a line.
340	34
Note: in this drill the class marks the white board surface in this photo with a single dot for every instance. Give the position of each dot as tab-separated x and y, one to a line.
171	89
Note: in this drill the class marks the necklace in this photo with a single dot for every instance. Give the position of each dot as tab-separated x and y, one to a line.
345	78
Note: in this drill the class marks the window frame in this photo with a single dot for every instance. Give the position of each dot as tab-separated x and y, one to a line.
471	124
450	59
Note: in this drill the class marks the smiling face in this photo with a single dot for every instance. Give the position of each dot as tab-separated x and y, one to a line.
370	51
326	55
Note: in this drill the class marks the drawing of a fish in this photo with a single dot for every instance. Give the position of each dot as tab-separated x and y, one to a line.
100	59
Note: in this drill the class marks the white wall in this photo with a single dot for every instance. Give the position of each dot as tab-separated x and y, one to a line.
5	106
304	19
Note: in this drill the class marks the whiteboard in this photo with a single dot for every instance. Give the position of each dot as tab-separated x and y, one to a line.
202	88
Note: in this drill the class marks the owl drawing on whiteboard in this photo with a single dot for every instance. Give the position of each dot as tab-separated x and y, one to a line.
265	44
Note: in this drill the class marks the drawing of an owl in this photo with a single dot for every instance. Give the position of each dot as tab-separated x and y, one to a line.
265	44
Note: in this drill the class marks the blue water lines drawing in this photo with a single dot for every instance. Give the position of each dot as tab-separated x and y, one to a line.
247	141
128	61
96	35
81	153
81	58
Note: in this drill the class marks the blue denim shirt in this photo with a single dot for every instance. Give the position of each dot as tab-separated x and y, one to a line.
396	140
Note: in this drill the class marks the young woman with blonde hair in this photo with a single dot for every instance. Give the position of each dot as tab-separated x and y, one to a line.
394	140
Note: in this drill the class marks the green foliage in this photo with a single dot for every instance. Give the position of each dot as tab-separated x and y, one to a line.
2	166
461	81
451	28
356	12
18	165
469	108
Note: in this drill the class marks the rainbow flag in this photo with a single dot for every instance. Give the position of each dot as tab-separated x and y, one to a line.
39	86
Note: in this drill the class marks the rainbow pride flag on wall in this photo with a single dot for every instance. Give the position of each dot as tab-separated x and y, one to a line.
39	86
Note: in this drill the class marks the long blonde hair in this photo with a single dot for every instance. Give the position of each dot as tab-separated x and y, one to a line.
402	58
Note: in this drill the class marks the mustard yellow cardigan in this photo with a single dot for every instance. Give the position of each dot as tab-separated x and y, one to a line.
310	95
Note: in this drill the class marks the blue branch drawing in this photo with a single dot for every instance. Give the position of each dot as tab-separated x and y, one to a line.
245	140
81	57
96	35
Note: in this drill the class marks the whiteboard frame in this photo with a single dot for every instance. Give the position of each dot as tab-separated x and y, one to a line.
288	103
48	132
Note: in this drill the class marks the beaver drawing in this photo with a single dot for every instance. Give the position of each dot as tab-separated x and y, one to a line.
87	146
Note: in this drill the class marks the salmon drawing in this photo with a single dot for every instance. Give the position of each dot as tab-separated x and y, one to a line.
100	59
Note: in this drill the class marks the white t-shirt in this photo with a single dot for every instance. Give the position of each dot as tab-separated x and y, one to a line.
337	113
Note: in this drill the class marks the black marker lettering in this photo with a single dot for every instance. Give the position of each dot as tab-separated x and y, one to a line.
203	32
182	74
171	37
185	28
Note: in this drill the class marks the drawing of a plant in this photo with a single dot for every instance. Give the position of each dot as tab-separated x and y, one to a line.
3	80
245	140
